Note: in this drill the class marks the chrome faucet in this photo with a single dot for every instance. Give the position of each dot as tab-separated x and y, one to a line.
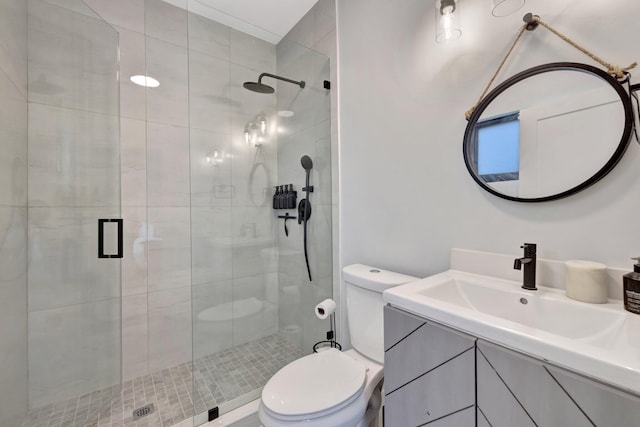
529	261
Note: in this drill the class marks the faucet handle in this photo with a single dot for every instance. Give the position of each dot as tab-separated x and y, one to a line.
529	249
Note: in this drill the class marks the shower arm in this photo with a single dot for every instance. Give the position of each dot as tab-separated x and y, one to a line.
300	83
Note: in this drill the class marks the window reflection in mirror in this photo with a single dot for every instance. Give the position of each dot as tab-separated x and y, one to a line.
498	147
547	134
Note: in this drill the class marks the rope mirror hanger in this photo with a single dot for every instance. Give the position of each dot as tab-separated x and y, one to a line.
531	22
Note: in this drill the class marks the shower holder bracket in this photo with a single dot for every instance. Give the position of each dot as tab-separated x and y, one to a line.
286	217
309	189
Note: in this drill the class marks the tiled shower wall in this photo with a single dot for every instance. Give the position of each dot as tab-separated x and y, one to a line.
184	215
312	131
13	212
187	220
74	179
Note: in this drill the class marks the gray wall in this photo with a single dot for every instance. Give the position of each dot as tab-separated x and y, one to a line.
13	213
406	197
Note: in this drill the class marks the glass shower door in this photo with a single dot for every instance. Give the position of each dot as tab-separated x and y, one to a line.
74	235
252	300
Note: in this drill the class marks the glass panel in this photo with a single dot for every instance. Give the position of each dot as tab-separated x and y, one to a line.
73	321
13	213
252	301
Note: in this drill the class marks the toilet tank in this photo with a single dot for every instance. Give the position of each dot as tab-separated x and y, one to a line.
364	286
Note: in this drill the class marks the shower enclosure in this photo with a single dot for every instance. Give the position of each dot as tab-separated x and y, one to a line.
211	297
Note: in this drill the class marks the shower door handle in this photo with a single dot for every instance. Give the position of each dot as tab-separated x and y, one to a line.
101	222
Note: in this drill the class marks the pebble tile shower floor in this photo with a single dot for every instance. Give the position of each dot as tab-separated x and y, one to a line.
177	393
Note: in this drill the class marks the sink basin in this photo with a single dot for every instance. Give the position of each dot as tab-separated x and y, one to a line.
598	340
546	309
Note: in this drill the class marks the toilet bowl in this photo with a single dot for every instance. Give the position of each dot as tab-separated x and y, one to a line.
333	388
329	388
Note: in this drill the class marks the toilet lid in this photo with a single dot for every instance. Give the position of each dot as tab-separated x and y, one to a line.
314	383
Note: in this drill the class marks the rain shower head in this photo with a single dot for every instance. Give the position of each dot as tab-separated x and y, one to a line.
260	87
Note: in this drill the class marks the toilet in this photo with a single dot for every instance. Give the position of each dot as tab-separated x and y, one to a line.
333	388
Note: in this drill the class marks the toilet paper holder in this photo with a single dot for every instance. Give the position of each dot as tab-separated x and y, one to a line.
323	310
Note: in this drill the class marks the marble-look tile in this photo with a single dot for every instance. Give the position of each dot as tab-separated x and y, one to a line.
208	36
64	267
253	231
169	328
251	52
133	162
288	52
291	148
136	243
302	32
327	46
210	168
13	134
82	341
314	25
320	242
132	63
169	250
74	157
128	14
134	337
322	164
167	165
212	324
76	6
211	244
13	249
169	102
253	316
311	104
13	42
13	314
73	60
324	18
209	93
254	169
166	22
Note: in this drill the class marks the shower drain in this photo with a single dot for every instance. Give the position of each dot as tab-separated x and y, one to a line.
143	411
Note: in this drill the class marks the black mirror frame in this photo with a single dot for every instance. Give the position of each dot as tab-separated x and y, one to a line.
469	133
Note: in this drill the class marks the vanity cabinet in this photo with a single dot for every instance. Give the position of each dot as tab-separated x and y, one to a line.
437	375
429	373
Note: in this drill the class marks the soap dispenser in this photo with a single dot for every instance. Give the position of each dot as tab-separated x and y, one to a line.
276	195
293	195
631	283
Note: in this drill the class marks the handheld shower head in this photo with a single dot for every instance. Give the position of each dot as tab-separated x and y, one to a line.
306	162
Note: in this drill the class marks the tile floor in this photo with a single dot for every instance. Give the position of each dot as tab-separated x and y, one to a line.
219	378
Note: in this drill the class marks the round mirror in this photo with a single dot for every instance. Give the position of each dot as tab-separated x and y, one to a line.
548	132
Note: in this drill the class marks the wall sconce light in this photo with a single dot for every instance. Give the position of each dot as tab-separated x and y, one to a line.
214	157
247	133
255	131
262	124
447	21
500	8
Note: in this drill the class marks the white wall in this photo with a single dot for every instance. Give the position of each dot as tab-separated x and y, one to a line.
406	197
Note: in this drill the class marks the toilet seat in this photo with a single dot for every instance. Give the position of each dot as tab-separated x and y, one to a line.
314	385
340	400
